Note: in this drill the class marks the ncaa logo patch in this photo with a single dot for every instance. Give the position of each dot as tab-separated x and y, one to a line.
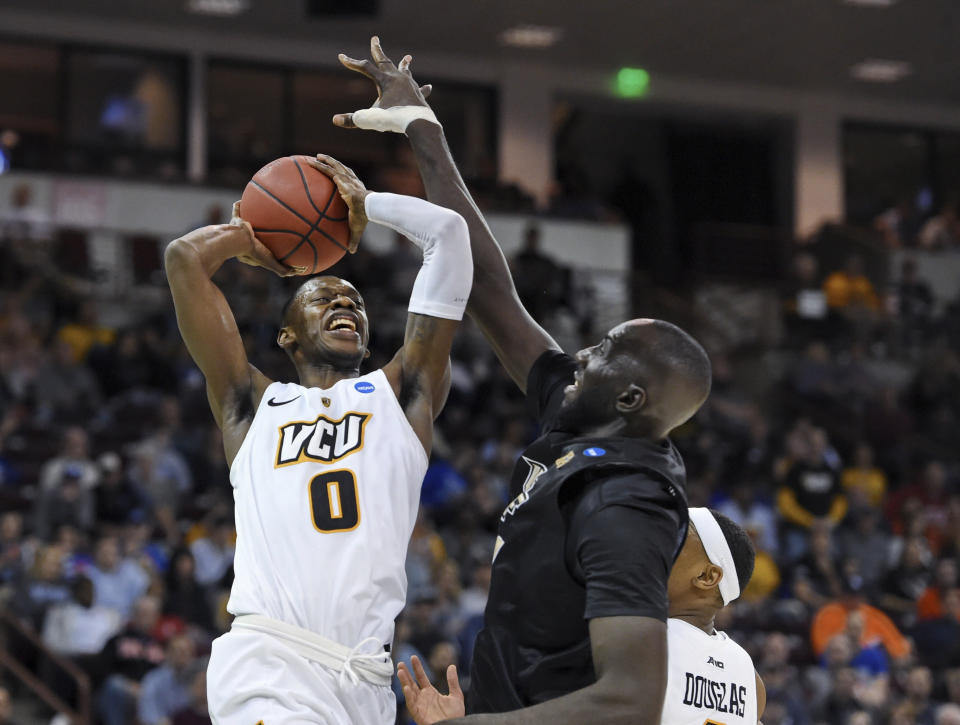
595	452
364	387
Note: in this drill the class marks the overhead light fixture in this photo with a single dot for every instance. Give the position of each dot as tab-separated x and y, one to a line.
876	70
531	36
870	3
220	8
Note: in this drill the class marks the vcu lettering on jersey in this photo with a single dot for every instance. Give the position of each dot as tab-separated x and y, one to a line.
326	488
721	696
321	439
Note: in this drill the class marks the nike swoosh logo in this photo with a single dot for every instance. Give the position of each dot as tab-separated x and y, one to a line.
273	402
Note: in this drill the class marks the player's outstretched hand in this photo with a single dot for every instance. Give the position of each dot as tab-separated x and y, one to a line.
256	254
351	189
424	701
395	84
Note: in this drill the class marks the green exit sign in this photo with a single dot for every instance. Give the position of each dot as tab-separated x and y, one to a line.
632	82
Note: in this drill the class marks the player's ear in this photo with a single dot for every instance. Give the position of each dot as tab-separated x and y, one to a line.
286	337
632	399
709	577
366	353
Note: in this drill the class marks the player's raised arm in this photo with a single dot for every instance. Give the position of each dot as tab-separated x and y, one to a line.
419	373
209	330
494	305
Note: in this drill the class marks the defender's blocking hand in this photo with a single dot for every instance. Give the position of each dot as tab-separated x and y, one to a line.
395	84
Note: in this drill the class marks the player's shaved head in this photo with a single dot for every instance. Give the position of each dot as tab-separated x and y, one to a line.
644	378
674	367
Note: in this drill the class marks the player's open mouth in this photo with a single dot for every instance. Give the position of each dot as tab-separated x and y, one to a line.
343	324
574	386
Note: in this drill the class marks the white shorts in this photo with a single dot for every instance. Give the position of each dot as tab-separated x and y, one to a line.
255	677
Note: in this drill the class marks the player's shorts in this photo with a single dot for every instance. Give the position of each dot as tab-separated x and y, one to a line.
254	676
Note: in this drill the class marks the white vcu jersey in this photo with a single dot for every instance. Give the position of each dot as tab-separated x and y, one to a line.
326	487
710	679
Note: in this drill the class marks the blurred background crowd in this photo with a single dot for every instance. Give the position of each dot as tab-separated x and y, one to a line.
797	211
835	448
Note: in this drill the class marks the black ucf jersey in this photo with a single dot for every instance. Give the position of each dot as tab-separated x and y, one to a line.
592	531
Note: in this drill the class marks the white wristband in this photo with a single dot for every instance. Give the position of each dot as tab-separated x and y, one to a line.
394	119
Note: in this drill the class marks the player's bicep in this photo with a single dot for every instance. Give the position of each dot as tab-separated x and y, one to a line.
207	326
426	355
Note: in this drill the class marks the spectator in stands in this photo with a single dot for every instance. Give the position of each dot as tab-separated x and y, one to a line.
817	576
832	619
196	712
213	554
745	508
887	425
937	639
898	226
850	288
124	662
864	484
914	297
864	542
44	587
929	496
166	689
951	681
85	332
67	504
810	494
74	454
941	231
160	472
538	277
931	603
804	303
65	390
906	583
118	582
115	499
186	598
78	626
919	686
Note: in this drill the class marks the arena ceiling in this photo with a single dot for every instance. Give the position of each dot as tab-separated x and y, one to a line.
802	44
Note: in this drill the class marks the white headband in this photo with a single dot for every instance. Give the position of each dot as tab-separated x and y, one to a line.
718	551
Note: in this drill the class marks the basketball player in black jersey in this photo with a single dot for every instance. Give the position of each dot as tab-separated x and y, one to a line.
574	629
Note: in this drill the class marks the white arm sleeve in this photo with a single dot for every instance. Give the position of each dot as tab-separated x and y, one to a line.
443	283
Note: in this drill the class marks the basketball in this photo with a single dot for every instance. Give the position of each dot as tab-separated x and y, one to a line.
297	213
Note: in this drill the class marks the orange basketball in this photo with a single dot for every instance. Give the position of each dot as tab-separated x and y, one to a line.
297	213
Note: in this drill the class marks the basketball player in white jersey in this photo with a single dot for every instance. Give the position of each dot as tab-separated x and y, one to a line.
710	678
326	473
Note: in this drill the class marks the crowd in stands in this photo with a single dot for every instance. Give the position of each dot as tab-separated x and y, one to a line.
838	453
